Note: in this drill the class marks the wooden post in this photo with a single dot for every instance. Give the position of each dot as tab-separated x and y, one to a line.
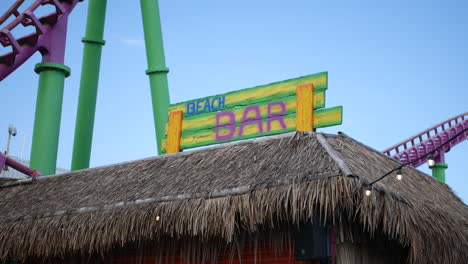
305	107
174	131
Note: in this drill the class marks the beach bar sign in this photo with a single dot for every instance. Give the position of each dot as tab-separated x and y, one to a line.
292	105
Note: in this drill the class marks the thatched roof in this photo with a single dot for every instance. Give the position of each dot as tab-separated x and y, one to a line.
215	192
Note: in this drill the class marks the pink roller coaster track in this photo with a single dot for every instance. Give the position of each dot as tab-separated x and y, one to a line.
48	38
425	142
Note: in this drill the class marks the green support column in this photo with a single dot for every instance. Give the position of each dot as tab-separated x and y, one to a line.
93	42
48	114
438	171
157	71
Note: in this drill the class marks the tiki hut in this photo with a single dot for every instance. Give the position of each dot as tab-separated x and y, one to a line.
246	202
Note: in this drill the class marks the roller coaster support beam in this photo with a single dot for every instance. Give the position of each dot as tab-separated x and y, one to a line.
157	70
93	42
438	170
52	74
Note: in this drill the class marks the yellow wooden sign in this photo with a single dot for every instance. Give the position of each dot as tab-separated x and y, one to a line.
259	111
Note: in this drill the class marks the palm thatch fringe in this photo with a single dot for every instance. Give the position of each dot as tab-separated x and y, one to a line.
220	217
210	195
217	194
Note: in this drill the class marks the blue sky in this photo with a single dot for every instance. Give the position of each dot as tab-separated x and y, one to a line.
397	67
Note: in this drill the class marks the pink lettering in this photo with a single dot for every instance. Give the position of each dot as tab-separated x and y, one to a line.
256	119
230	124
276	116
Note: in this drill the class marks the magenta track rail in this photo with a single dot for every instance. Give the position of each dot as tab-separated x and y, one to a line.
425	142
48	29
4	160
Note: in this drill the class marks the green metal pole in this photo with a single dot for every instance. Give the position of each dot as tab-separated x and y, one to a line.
438	171
93	42
157	71
48	114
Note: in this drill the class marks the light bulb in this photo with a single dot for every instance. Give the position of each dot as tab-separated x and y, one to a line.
368	192
399	175
431	161
157	218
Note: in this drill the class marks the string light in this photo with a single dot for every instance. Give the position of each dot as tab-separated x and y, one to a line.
368	192
399	176
431	161
157	218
